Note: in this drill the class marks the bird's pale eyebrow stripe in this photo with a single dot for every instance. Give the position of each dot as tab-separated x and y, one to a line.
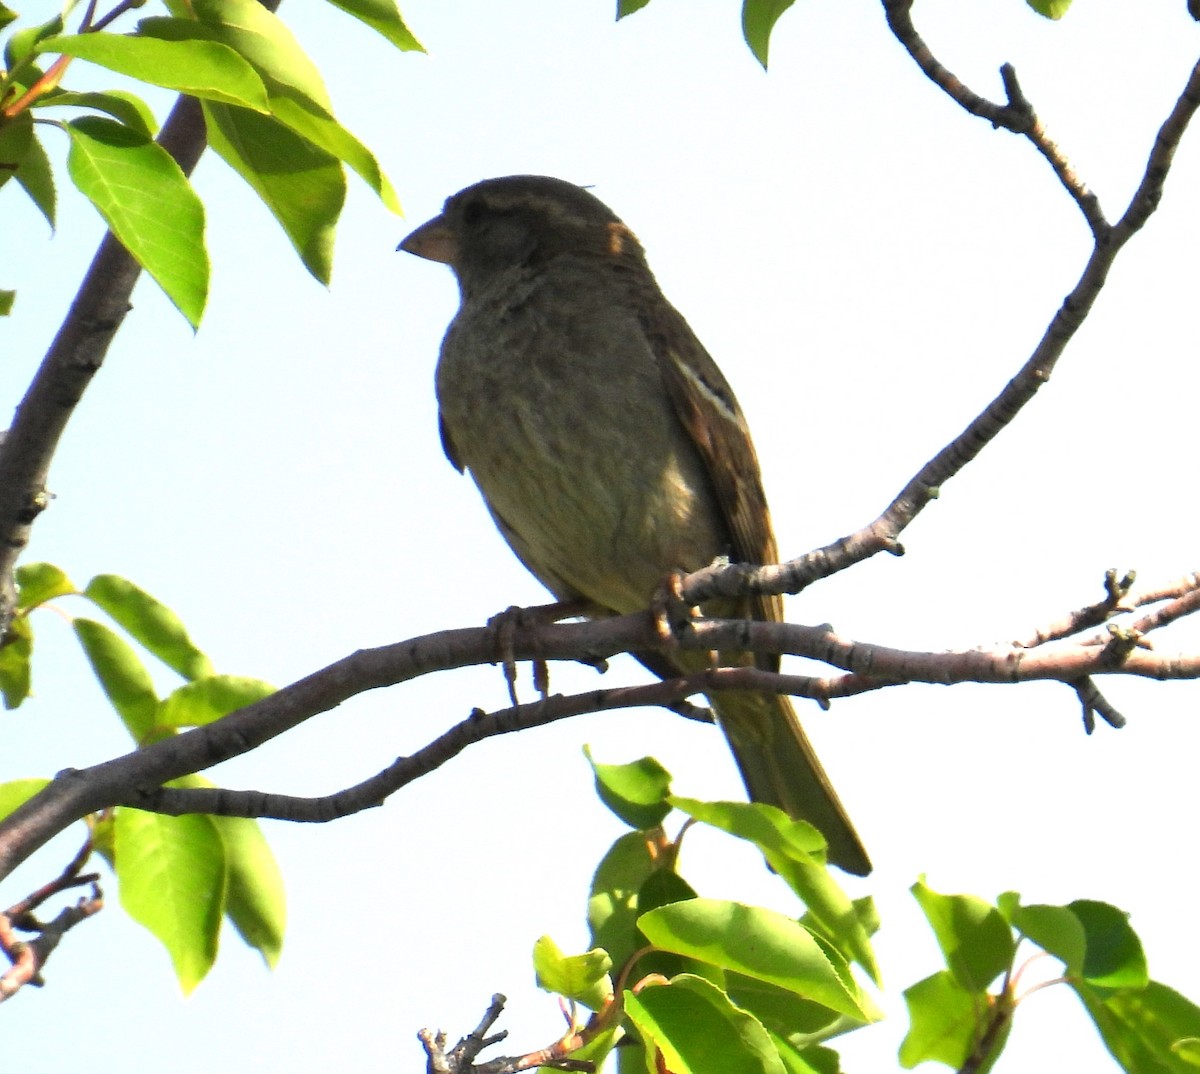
715	397
616	238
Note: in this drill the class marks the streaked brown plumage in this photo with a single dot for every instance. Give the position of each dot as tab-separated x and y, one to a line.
607	444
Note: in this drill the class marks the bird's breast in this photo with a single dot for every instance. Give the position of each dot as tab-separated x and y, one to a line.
554	402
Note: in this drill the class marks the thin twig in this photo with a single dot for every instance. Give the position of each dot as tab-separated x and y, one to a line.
1016	115
117	12
1186	603
899	18
1189	583
461	1058
1035	131
29	956
1116	600
882	535
1094	704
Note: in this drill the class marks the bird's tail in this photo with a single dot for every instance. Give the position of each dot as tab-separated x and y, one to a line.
780	768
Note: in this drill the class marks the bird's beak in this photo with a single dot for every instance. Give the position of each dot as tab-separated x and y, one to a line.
434	240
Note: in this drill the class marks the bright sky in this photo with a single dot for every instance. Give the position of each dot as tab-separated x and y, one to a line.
869	265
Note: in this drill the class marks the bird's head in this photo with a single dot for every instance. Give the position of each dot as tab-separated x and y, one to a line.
520	220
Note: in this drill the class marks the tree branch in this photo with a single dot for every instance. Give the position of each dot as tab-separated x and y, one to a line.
78	351
1116	601
882	535
137	779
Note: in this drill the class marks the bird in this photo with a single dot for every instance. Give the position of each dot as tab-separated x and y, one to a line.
608	447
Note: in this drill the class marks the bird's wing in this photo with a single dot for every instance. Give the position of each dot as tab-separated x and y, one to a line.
709	412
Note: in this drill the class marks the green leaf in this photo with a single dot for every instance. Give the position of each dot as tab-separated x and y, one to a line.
148	204
173	880
1152	1029
255	903
864	910
20	47
151	622
40	582
320	128
7	298
814	1059
122	675
1052	9
976	941
663	887
758	20
632	1058
636	792
1055	929
16	792
201	68
125	107
943	1022
699	1031
1188	1049
798	1021
37	179
1114	956
7	15
628	7
789	840
15	670
1009	904
208	699
796	851
257	35
16	135
613	902
578	977
297	95
758	943
382	17
628	881
304	187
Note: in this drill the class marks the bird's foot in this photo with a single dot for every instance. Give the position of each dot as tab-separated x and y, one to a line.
505	625
673	616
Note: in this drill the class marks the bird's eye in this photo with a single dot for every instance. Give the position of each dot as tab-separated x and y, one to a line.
473	212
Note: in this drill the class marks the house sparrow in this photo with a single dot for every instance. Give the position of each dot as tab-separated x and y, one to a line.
608	446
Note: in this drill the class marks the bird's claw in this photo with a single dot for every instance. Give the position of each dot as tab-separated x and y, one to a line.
673	615
505	625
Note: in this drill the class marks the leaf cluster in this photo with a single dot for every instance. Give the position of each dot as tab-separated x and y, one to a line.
180	877
696	985
760	16
266	110
956	1020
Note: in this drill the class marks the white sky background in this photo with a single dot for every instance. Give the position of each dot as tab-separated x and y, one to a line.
869	265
